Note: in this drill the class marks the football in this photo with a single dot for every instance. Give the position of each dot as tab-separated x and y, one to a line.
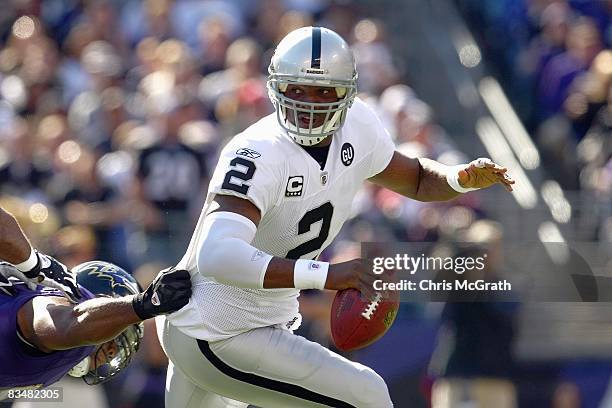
357	322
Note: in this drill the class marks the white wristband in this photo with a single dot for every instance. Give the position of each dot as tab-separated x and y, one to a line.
29	263
309	274
452	178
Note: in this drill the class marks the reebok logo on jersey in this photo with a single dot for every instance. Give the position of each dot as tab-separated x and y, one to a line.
250	153
291	322
295	184
347	154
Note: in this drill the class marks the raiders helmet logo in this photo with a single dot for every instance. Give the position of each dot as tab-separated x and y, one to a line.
347	154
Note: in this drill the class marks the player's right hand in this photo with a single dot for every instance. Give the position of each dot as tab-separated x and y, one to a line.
169	292
353	274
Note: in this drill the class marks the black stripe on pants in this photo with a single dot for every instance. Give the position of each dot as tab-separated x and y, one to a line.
279	386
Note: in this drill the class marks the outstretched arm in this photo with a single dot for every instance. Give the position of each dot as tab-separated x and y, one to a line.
52	323
427	180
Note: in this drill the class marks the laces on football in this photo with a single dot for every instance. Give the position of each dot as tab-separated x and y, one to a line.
372	307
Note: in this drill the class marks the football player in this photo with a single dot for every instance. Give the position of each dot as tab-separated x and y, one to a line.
279	195
90	329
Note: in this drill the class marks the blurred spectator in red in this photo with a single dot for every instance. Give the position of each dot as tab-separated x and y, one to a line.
240	85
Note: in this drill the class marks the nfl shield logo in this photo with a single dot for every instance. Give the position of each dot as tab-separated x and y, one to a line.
324	178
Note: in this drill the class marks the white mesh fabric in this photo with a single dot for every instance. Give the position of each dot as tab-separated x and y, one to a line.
226	310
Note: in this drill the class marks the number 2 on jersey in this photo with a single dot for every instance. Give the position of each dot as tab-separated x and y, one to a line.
241	170
322	213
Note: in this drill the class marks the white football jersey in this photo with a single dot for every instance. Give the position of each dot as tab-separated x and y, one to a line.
302	209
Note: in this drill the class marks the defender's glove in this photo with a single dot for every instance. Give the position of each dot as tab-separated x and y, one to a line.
49	272
169	292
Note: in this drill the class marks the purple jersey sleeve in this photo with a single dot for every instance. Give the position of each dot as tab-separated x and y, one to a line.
21	367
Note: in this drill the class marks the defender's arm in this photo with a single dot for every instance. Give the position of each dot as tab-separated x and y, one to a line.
52	323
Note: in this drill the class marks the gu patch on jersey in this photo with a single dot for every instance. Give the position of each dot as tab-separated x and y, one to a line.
295	185
250	153
347	154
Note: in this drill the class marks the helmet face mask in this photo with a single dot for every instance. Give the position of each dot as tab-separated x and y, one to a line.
112	357
312	56
104	279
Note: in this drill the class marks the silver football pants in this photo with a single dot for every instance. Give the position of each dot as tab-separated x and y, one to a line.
269	367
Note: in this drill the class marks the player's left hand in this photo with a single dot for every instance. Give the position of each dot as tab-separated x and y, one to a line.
483	173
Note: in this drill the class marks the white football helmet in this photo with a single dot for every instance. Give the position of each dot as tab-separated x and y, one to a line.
314	56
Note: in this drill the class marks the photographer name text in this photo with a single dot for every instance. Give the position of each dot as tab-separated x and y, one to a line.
428	285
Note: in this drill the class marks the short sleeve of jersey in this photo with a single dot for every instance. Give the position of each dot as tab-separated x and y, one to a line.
384	147
245	172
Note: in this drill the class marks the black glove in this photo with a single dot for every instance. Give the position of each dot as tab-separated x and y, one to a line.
169	292
54	274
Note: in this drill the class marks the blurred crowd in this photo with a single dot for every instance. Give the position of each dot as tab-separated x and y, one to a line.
112	113
555	60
